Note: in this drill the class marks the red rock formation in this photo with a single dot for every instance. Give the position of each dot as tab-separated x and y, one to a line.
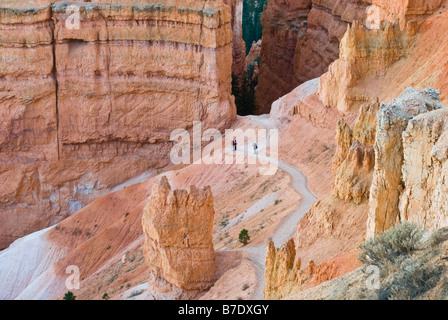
424	200
254	53
387	184
282	23
364	54
404	11
86	109
285	274
300	40
355	156
178	229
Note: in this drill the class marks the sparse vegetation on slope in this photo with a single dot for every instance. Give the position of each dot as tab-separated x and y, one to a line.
409	263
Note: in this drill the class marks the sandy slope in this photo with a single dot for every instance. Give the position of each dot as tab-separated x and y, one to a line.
98	236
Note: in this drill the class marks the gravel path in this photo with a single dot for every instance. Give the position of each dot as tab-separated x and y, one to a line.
257	254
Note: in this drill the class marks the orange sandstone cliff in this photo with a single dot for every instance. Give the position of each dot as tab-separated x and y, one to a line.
83	110
301	39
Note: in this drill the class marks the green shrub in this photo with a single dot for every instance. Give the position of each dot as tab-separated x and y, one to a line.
244	237
69	296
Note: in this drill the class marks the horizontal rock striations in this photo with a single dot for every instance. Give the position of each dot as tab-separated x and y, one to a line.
84	109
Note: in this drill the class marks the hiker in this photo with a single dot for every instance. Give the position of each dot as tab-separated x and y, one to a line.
234	144
255	148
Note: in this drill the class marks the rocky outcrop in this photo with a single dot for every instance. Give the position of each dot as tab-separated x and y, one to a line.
405	11
424	200
364	54
178	229
84	109
282	270
286	276
282	23
253	56
387	182
300	40
355	157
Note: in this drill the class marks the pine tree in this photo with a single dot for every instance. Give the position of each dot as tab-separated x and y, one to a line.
69	296
244	237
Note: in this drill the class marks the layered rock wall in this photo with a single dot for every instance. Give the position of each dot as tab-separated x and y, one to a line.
84	109
178	229
239	65
405	11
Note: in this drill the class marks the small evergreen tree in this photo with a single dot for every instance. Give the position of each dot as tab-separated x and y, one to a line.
244	237
106	296
69	296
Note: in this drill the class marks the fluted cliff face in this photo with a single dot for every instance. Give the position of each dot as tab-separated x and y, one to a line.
424	200
84	109
178	227
405	11
387	182
283	22
239	46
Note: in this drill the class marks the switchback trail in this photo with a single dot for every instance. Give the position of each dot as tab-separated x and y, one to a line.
257	253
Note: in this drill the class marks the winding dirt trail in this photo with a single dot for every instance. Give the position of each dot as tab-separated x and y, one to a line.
257	254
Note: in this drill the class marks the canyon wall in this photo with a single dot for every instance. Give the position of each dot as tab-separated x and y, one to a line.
178	227
84	109
355	157
302	38
378	66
